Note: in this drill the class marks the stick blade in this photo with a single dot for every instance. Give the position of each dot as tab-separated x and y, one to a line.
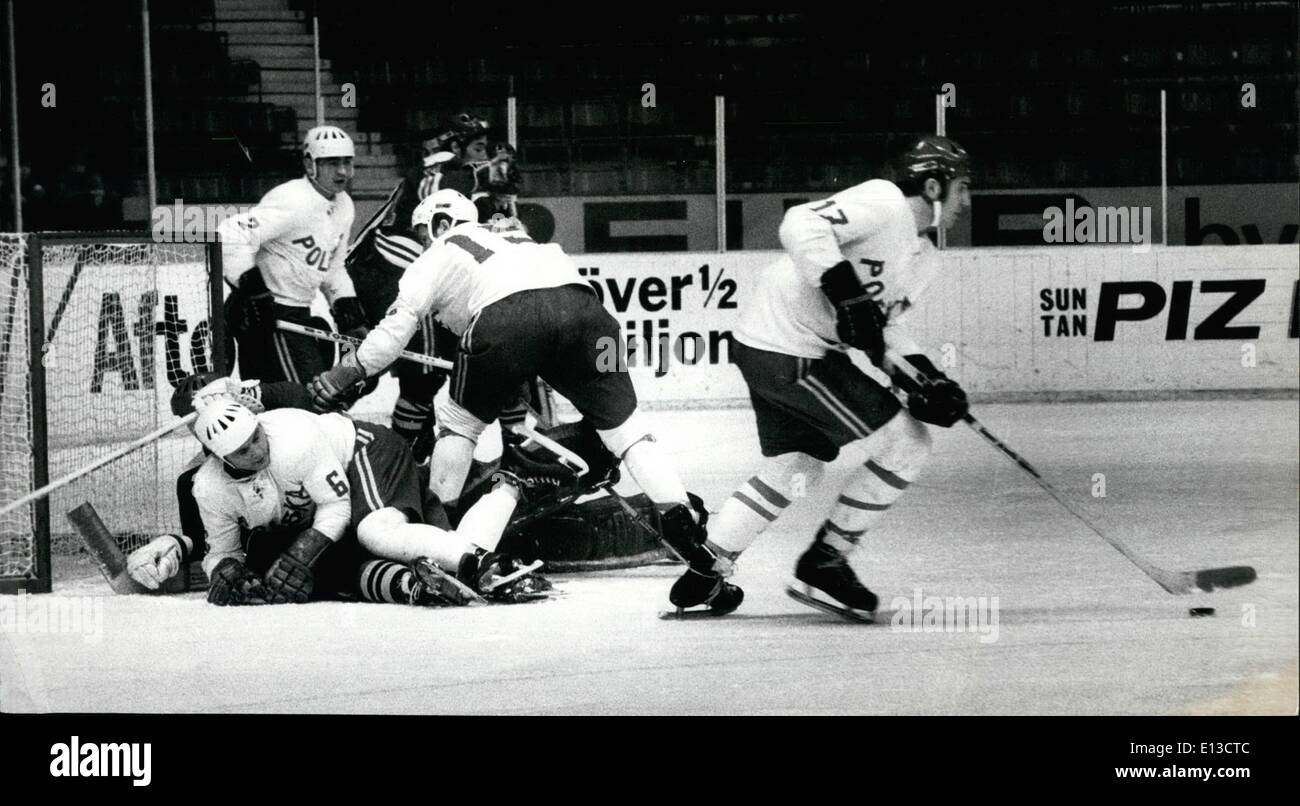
103	547
1233	576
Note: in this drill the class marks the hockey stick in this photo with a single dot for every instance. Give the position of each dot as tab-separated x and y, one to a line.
567	456
149	438
339	338
1176	582
112	562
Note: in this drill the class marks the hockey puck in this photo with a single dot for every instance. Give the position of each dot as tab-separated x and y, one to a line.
1200	611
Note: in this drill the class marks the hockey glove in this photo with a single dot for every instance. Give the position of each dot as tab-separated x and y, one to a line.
859	322
233	584
331	388
937	399
290	578
350	317
255	312
156	561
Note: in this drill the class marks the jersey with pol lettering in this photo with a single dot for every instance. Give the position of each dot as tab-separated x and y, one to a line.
870	225
298	238
304	484
466	269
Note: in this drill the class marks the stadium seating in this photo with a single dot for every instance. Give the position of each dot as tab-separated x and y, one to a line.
811	101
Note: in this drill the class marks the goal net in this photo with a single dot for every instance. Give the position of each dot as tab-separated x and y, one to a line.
122	320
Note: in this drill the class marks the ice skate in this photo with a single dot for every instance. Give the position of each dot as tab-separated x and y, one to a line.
702	593
829	584
499	579
435	587
702	590
522	584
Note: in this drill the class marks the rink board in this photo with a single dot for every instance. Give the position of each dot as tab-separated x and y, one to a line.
1081	321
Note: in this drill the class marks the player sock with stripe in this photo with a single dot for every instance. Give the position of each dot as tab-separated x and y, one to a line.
409	418
385	581
867	495
761	500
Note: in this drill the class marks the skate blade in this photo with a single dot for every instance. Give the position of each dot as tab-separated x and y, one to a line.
518	574
846	613
682	614
527	598
447	586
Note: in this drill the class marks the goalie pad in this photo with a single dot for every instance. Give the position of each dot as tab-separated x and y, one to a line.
588	536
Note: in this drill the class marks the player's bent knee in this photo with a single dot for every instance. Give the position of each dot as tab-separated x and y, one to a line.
621	438
903	444
373	527
791	471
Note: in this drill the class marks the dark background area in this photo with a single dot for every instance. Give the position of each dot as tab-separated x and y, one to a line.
1046	96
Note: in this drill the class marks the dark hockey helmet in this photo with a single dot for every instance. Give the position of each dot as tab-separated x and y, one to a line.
183	397
464	128
931	156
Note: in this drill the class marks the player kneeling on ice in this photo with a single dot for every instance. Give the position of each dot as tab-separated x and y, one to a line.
521	310
854	264
299	506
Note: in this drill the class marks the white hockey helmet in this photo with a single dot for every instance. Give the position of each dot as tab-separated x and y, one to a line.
224	426
246	393
448	202
324	142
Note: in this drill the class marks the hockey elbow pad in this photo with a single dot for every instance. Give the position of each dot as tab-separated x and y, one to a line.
859	322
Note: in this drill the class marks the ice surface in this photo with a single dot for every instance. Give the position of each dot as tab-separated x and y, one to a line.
1080	630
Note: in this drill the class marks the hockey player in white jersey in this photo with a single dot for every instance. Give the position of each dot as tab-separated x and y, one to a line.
854	264
522	310
295	504
279	254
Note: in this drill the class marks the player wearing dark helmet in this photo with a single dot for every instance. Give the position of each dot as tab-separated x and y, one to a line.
462	148
855	264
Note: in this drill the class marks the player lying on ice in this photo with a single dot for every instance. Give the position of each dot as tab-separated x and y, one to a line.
298	506
153	564
522	311
854	264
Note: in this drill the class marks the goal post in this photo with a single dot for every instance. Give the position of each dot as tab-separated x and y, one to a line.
96	329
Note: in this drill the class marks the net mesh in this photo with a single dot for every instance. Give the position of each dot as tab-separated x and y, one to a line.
16	527
124	323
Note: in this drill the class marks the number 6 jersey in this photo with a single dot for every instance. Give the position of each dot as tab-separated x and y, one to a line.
304	485
870	225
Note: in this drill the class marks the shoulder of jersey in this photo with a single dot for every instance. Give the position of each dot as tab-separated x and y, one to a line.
291	194
460	229
874	190
277	419
210	477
